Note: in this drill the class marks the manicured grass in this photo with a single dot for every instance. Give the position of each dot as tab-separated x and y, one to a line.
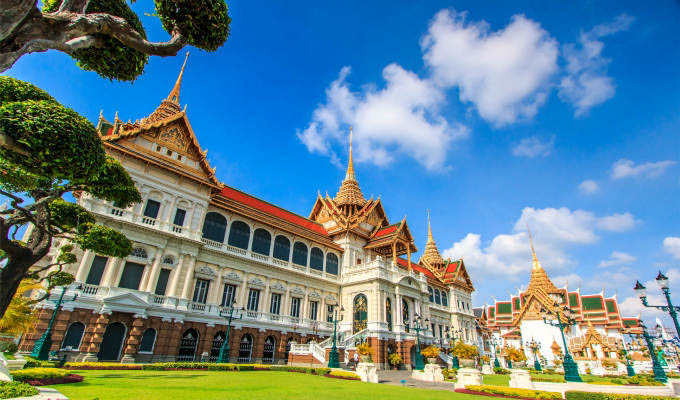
497	380
256	385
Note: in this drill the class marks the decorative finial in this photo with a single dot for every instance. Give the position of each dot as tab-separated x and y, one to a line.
349	176
101	114
537	265
174	94
115	117
429	227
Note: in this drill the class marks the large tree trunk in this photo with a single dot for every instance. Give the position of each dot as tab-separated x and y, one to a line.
10	277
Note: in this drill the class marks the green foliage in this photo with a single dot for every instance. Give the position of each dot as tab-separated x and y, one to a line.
70	216
113	183
8	347
500	370
33	363
395	359
59	278
514	354
9	390
322	371
24	375
514	392
575	395
466	351
204	23
344	374
13	90
101	365
104	240
431	351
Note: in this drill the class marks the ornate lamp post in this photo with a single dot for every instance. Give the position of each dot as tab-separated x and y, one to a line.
224	350
496	364
333	356
451	336
659	373
41	349
662	281
629	365
535	346
417	324
570	367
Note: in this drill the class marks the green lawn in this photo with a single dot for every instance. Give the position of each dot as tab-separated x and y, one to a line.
497	380
256	385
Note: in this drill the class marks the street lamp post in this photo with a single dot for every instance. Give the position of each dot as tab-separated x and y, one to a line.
662	281
629	365
570	367
455	363
496	364
224	350
333	356
41	349
418	326
535	346
659	373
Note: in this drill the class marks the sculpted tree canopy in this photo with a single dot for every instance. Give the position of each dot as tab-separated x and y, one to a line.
106	36
47	151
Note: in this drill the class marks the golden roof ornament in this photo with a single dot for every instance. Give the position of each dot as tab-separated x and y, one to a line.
170	105
431	254
349	197
539	278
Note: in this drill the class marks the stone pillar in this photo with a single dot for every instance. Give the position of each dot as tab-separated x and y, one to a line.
84	267
243	293
174	282
216	290
189	278
133	340
520	378
96	338
155	270
110	271
468	376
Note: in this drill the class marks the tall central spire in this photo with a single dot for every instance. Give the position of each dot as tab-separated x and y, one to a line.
349	196
431	253
170	105
539	278
174	94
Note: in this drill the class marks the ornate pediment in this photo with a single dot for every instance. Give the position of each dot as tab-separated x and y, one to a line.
278	287
206	272
232	277
257	282
314	295
330	299
298	290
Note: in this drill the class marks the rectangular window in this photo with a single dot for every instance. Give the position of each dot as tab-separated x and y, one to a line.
313	308
94	277
253	299
228	295
151	209
132	275
434	333
162	283
201	291
275	306
179	217
441	330
295	307
329	313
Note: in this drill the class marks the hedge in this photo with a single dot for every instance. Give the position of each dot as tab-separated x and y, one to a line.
101	365
33	363
205	365
514	392
574	395
9	390
305	370
344	375
24	375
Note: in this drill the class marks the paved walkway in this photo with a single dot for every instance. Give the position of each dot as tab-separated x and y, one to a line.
395	377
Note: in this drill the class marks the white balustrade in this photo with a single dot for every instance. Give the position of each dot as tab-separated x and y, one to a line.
149	221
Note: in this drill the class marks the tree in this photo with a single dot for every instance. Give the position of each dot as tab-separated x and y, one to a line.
20	316
514	354
464	351
47	151
106	36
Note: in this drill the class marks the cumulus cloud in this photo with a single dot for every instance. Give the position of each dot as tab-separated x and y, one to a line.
588	186
556	230
533	147
617	258
586	84
625	168
503	73
671	245
403	117
617	222
633	306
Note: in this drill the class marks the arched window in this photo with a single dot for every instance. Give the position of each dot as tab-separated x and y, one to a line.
245	348
404	314
388	312
218	341
437	297
214	227
360	313
331	264
445	299
239	235
74	335
316	259
148	340
282	248
268	351
168	260
300	254
187	346
429	290
262	241
112	342
139	252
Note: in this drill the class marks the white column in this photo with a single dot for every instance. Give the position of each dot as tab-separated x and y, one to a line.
110	271
189	278
174	282
169	208
243	292
84	266
216	290
155	270
397	308
286	301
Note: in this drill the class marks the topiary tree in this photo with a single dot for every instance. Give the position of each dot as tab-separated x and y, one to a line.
47	151
106	36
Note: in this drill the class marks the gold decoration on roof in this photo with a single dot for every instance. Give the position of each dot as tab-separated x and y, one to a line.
539	278
170	105
349	197
431	254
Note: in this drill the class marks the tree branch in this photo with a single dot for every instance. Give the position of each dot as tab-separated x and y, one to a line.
13	14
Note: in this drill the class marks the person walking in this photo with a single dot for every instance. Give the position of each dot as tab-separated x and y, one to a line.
356	360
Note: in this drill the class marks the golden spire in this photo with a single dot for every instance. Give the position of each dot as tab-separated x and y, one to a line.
349	194
539	278
534	259
174	94
429	228
431	254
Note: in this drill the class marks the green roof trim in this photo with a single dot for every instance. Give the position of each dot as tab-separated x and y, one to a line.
630	322
591	303
504	308
492	312
611	307
516	303
573	300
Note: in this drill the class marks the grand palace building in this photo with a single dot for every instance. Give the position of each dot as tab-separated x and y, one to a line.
203	249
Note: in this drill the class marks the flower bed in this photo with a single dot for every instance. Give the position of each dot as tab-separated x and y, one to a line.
101	366
24	375
512	393
9	390
575	395
72	378
343	375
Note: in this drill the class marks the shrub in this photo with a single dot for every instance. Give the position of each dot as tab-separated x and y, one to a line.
33	363
500	370
101	365
322	371
575	395
466	351
395	359
514	392
365	349
8	347
431	351
449	373
10	390
344	375
24	375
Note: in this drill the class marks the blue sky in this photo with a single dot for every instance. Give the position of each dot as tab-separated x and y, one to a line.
494	115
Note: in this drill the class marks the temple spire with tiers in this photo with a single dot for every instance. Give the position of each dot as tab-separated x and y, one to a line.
431	253
170	105
539	278
349	198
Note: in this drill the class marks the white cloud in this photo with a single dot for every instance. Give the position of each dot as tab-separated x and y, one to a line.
556	230
617	258
632	304
671	245
403	117
586	83
533	147
626	168
617	222
588	186
571	280
505	73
